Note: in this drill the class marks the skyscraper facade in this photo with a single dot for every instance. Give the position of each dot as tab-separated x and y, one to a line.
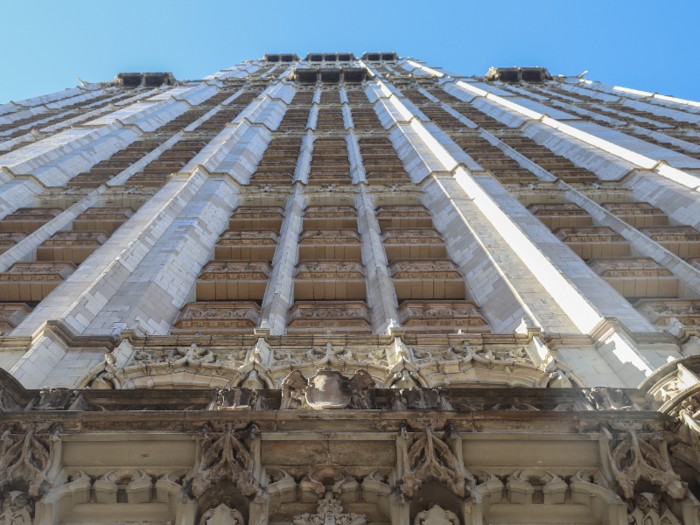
340	290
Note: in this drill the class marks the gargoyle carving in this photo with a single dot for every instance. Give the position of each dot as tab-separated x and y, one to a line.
430	458
635	458
330	512
29	455
224	457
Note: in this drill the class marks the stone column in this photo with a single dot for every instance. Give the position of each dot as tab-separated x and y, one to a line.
381	296
279	295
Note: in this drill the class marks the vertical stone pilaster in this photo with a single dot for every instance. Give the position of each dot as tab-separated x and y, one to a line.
279	294
381	296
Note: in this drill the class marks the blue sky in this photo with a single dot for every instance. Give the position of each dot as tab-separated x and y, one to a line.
645	45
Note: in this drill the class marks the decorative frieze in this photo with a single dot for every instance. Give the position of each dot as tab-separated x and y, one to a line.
326	217
246	245
257	218
683	241
330	244
427	279
233	281
441	317
663	312
12	314
637	214
73	246
102	219
636	277
341	317
217	318
594	241
403	216
560	215
424	243
32	282
28	219
322	280
10	239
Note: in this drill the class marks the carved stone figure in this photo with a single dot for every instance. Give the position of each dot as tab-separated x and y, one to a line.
327	389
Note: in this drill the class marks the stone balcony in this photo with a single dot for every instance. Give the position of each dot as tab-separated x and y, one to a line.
102	218
662	312
560	215
9	240
594	241
244	245
330	244
73	246
217	318
257	218
33	281
683	241
330	280
403	216
233	281
28	219
330	217
441	317
321	317
636	277
426	279
424	243
637	214
11	314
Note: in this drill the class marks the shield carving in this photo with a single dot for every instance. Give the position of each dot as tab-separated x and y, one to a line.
328	389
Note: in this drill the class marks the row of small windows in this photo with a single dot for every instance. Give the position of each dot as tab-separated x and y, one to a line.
330	57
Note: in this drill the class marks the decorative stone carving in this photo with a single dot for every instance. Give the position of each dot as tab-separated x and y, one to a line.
636	277
33	281
608	399
246	245
10	239
28	219
327	389
330	280
11	314
426	279
319	217
102	218
430	458
636	457
257	218
638	214
321	477
526	487
594	241
330	512
224	456
660	312
234	399
222	515
217	318
646	510
403	216
17	509
233	281
58	399
29	454
136	484
441	316
436	515
323	316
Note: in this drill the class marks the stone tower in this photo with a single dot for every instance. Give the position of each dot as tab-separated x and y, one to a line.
345	291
